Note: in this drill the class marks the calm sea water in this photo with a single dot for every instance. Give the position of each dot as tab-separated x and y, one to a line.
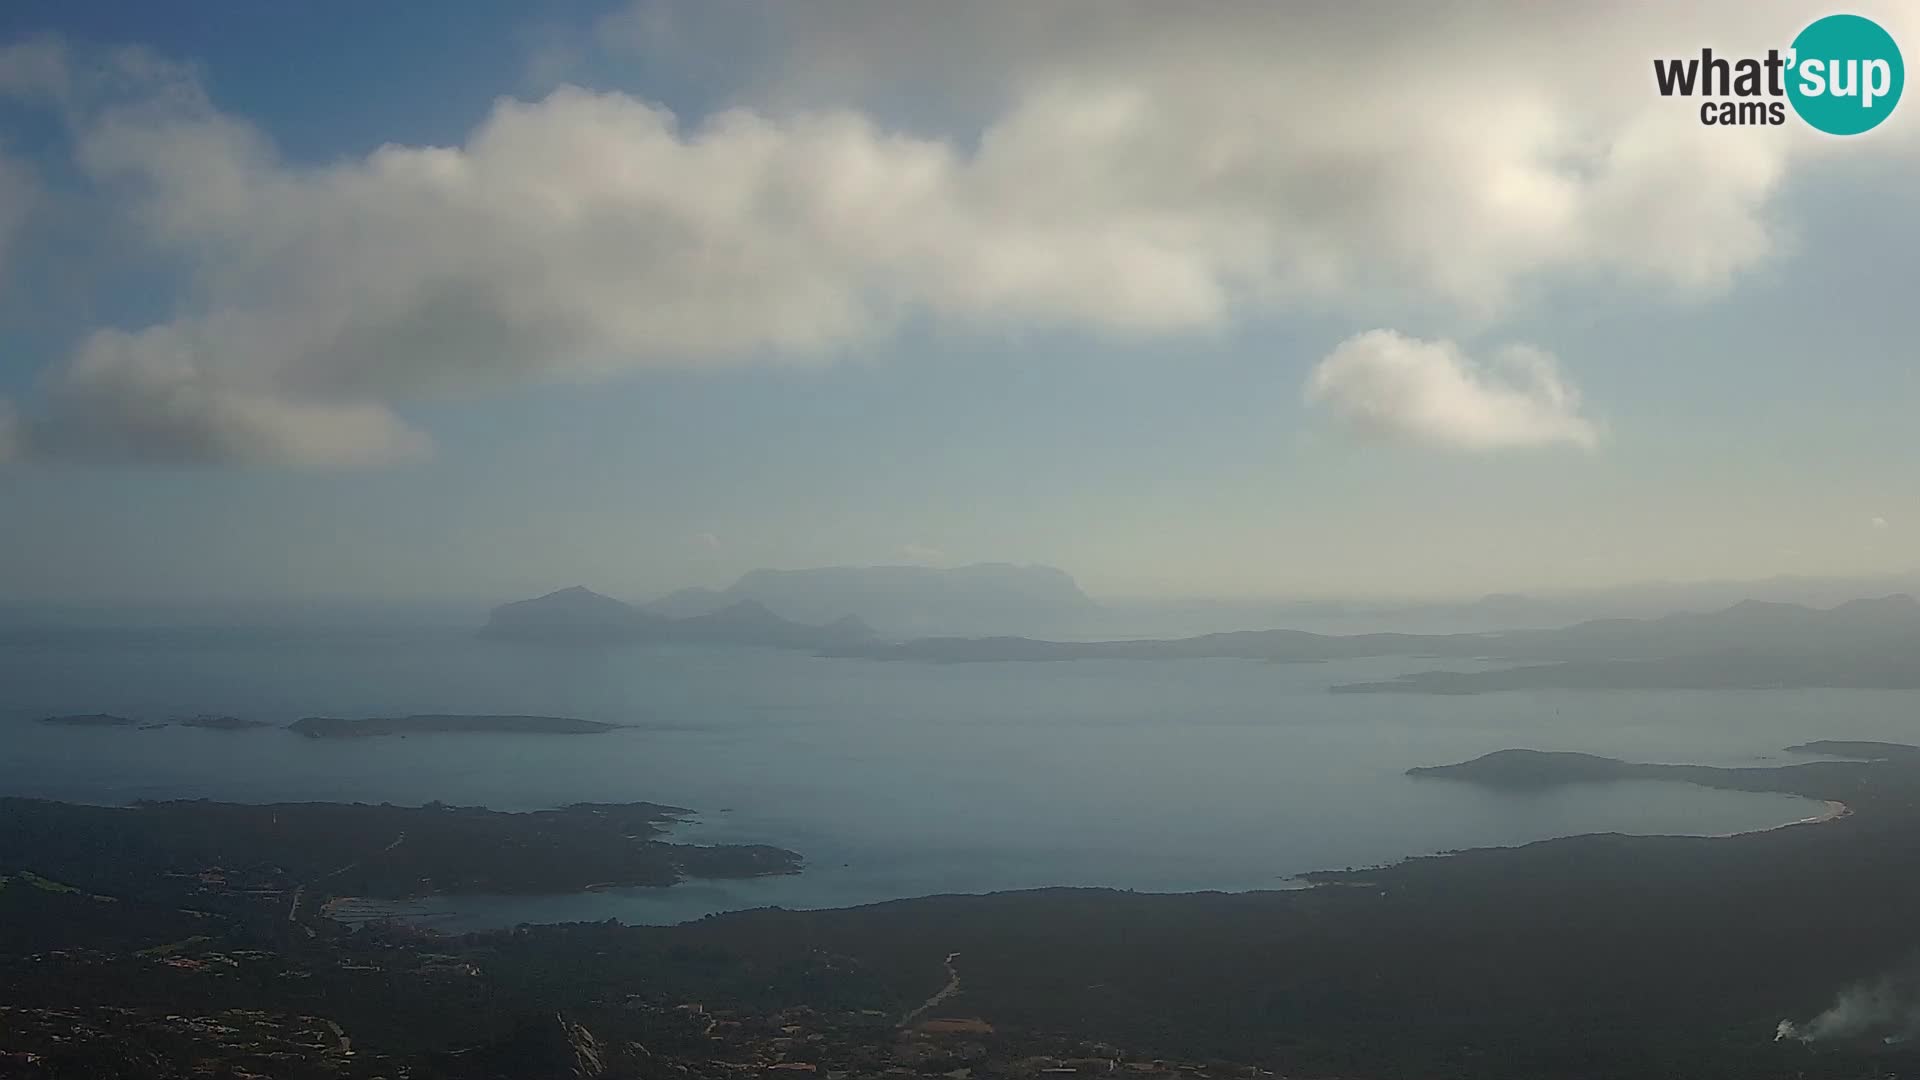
895	779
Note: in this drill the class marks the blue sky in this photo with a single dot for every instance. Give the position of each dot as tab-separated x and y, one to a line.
1066	301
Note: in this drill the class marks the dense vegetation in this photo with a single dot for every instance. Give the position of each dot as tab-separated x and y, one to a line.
1596	956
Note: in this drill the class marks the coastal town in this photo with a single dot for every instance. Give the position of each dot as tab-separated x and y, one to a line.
638	1035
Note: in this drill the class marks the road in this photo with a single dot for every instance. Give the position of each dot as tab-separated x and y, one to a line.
945	992
299	891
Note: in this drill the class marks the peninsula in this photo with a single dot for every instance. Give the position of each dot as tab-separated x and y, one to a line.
358	849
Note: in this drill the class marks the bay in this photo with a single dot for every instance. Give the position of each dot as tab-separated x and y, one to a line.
896	779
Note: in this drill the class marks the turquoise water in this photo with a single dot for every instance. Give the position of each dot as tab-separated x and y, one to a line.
894	779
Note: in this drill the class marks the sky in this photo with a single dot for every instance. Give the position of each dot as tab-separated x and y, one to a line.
470	301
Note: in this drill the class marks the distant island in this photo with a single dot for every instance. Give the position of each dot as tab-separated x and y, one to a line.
331	727
1751	645
580	615
1271	645
1859	749
89	720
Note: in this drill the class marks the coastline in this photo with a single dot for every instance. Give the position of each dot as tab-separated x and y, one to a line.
1835	811
1832	810
456	906
696	895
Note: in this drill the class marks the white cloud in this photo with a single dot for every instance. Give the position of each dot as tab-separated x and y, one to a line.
143	397
1386	385
1125	169
1878	522
572	237
1452	150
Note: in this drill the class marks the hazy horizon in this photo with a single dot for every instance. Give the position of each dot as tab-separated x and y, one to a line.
1168	615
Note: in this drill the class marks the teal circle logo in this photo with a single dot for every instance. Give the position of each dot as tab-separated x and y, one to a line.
1846	75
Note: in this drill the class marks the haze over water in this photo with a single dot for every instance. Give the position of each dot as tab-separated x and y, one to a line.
898	779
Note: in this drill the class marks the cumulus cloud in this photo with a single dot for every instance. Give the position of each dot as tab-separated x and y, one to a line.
1454	149
143	398
571	237
1386	385
1115	168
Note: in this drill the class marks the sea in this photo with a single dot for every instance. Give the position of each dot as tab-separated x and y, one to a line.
895	779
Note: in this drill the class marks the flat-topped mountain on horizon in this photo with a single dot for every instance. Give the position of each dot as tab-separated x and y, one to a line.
577	613
980	598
